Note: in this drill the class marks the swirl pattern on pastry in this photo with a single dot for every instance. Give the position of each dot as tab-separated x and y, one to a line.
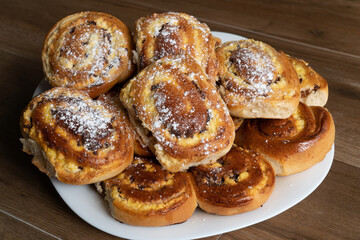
159	35
178	113
256	81
240	181
146	195
313	87
112	99
90	51
74	138
291	145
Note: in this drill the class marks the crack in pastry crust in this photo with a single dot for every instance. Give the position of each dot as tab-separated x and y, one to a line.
178	113
90	51
256	81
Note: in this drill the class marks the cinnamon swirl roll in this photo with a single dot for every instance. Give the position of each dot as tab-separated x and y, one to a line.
112	99
256	81
178	113
146	195
90	51
313	87
171	33
74	138
291	145
240	181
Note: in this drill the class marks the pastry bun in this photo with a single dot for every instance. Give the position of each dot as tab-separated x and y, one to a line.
178	113
146	195
90	51
239	182
171	33
256	81
74	138
291	145
313	87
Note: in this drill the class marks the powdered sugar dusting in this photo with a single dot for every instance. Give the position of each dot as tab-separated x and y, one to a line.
90	124
255	68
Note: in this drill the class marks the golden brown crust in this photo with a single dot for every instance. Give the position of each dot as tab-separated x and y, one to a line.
112	99
313	87
179	113
74	138
240	181
146	195
291	145
171	33
90	51
256	81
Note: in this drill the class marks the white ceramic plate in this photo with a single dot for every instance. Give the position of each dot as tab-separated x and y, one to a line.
290	190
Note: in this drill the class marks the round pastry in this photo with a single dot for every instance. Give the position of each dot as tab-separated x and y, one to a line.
146	195
240	181
112	99
172	33
74	138
313	87
291	145
256	81
178	113
90	51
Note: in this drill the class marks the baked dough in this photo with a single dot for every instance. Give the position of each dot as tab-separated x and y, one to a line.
313	87
256	81
146	195
74	138
90	51
171	33
291	145
112	99
240	181
178	113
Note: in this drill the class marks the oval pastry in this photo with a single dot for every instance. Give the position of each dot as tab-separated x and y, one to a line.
74	138
313	87
256	81
178	113
112	99
240	181
291	145
146	195
159	35
90	51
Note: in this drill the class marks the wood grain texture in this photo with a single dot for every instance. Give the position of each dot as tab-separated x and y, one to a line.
324	33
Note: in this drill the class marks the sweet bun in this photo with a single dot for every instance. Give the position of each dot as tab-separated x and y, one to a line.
240	181
112	99
178	113
172	33
256	81
313	87
74	138
291	145
146	195
90	51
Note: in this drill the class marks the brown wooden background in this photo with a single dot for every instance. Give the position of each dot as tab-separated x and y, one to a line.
324	33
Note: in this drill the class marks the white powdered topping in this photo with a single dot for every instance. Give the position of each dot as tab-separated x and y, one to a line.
91	51
256	68
89	123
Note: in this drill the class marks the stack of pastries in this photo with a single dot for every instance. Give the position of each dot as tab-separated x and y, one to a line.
171	118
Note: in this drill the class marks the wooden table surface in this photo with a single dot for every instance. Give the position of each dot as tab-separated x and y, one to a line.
324	33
